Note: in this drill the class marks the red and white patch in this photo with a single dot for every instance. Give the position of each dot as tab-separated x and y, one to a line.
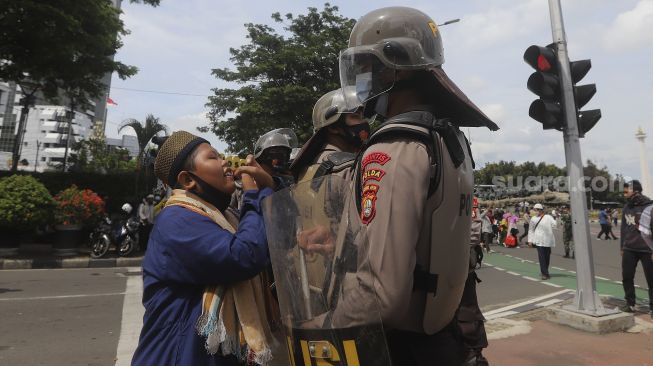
375	157
368	204
375	174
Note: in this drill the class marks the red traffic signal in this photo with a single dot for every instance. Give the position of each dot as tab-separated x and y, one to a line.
541	58
545	83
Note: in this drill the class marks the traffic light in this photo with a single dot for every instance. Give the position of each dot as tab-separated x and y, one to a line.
582	95
545	83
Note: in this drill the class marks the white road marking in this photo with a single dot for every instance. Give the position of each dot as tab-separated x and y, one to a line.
499	268
132	321
501	315
513	273
531	278
603	278
550	284
61	296
547	303
558	268
527	302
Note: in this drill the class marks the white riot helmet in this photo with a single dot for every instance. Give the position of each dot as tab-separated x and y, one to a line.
127	208
331	106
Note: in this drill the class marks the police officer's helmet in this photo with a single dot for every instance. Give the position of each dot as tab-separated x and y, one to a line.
281	139
331	106
384	40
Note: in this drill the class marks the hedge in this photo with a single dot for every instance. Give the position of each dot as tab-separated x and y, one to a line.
118	187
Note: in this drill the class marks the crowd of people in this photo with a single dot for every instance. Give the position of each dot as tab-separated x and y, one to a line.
208	292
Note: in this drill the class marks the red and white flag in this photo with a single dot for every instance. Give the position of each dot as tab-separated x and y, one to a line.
111	102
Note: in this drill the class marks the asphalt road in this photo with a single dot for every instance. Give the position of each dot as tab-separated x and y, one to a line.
60	317
75	316
512	275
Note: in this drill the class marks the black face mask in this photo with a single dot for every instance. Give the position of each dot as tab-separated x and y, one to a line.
211	194
358	134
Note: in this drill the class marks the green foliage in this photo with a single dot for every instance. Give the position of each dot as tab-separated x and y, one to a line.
510	170
144	131
93	155
114	188
76	206
281	76
25	203
61	45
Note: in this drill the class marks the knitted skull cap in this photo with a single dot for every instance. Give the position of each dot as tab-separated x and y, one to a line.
172	154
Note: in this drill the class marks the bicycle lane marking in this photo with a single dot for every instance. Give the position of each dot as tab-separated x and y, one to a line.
559	277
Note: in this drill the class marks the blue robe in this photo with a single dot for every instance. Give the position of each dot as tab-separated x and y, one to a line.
186	252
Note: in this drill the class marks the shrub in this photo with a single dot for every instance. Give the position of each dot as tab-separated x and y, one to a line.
25	203
78	207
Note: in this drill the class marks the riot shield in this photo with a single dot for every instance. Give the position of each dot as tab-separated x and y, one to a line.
318	248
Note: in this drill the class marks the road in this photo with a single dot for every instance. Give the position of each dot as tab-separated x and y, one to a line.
93	316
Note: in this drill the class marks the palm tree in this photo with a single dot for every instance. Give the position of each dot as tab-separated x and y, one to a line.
144	132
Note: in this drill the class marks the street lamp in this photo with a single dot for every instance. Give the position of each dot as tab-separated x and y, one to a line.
449	22
28	100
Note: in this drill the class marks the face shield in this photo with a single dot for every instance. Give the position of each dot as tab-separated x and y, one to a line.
365	75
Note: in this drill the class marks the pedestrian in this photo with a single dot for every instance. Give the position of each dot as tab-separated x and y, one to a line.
615	217
567	234
486	228
604	221
610	232
633	247
541	235
414	191
200	283
526	217
146	217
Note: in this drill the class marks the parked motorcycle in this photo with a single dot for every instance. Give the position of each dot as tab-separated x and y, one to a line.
123	236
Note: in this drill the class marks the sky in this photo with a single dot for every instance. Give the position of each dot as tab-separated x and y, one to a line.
176	45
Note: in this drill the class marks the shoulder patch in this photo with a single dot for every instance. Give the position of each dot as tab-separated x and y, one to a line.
375	157
368	204
375	174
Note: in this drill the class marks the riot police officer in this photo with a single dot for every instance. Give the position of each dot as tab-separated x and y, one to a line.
413	189
272	151
337	129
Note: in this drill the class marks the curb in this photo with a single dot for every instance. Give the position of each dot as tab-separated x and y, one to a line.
76	262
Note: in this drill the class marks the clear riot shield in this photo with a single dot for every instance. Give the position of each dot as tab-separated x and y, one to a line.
318	248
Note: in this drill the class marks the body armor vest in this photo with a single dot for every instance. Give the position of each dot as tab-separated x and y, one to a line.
443	247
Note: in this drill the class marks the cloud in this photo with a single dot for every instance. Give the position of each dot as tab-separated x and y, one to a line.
496	112
190	122
631	29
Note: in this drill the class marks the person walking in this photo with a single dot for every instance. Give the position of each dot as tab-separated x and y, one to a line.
610	232
633	246
541	235
604	221
486	229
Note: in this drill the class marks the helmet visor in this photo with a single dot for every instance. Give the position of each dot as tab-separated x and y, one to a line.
363	71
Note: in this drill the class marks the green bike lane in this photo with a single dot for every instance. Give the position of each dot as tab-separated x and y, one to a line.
561	278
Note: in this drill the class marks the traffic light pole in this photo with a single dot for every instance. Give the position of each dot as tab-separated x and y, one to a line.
586	300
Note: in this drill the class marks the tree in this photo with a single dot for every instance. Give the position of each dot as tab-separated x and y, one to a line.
94	156
61	45
281	75
144	132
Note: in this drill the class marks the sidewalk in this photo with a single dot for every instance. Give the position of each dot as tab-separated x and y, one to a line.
527	339
39	256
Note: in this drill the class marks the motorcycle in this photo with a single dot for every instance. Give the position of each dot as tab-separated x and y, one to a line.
123	237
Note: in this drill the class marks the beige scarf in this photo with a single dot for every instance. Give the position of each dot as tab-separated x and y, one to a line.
233	317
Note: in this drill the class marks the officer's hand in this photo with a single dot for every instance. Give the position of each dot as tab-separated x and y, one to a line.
316	240
253	173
